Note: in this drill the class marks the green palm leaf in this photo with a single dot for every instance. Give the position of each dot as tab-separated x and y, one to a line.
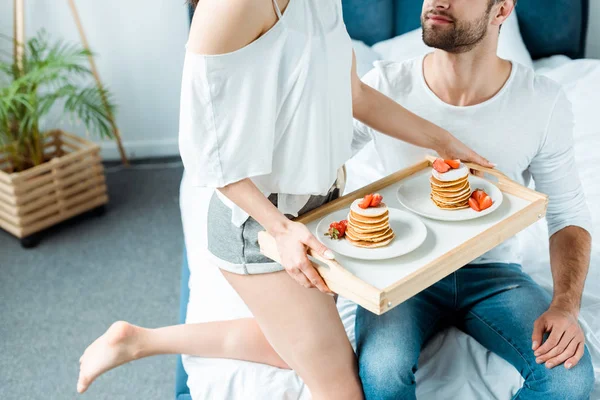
54	74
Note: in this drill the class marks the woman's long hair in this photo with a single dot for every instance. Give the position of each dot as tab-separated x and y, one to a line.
193	3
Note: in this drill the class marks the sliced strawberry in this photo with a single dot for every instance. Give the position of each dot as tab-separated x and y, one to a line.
478	195
376	200
485	203
454	164
473	204
342	230
366	201
440	166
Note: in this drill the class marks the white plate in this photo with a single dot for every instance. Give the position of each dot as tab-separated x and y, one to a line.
410	233
414	194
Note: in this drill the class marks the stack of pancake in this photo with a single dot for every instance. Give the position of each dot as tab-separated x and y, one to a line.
451	190
369	227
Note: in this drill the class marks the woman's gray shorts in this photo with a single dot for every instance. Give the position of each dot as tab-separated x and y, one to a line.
235	249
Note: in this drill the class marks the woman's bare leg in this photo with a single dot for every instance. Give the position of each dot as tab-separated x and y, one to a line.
239	339
304	327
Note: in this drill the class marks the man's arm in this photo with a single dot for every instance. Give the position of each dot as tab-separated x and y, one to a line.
569	259
555	174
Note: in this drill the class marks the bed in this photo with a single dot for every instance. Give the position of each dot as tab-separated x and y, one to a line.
550	37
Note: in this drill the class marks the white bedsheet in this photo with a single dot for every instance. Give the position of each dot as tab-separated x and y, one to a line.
451	355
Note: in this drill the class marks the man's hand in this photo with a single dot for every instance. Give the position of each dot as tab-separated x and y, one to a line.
565	343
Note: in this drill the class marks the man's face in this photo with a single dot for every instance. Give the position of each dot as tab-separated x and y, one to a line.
455	26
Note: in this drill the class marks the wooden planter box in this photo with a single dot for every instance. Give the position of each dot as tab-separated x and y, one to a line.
70	183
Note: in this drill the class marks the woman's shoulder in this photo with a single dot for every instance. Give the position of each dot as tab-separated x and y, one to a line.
224	26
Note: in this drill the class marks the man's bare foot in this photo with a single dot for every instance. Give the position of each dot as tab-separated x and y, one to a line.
119	345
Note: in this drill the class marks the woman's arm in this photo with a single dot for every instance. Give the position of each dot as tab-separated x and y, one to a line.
292	237
386	116
220	27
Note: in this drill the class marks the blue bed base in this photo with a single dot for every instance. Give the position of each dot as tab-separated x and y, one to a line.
182	392
548	27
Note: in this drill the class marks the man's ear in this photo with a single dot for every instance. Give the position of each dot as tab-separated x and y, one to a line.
502	12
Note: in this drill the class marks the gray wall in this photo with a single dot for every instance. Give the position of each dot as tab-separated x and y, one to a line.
140	47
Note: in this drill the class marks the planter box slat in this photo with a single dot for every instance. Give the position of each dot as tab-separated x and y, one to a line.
47	199
41	169
69	146
10	218
5	185
7	188
75	138
58	172
4	177
7	199
70	183
9	209
52	186
70	196
86	184
10	227
62	206
77	199
55	196
93	203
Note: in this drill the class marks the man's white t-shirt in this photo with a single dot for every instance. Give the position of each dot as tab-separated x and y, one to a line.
526	129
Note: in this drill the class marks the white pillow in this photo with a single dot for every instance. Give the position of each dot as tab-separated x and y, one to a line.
365	57
410	45
404	47
511	45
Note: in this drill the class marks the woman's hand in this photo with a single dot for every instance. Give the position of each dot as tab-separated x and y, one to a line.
454	149
293	240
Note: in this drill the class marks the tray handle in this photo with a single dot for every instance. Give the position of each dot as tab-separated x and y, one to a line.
491	171
268	247
333	270
337	278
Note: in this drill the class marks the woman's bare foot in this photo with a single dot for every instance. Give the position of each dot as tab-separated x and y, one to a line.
120	344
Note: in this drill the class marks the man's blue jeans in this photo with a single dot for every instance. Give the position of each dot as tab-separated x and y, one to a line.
496	304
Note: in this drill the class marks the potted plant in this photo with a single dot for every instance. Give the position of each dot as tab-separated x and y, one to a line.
47	175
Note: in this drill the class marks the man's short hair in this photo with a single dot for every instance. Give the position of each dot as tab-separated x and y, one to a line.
498	1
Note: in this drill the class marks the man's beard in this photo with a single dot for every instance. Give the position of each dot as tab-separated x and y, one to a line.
459	37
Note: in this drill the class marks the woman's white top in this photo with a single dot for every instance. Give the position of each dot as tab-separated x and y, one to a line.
278	111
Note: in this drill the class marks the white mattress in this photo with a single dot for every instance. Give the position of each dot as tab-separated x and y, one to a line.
449	356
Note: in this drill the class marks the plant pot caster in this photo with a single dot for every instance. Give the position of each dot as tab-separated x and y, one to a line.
99	211
31	241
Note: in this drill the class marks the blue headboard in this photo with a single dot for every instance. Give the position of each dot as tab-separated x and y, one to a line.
548	27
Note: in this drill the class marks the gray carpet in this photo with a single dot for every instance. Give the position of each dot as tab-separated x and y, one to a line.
85	274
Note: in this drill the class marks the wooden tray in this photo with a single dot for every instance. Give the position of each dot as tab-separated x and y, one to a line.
380	286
